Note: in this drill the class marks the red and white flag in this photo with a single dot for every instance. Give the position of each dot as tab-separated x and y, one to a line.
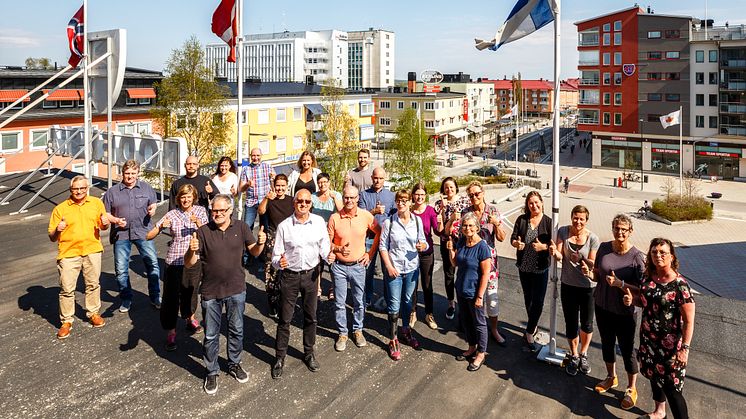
511	112
76	37
674	118
225	25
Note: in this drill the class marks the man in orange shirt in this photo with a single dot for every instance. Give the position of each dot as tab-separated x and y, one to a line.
347	230
75	226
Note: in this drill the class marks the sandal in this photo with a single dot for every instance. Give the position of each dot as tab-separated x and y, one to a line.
466	357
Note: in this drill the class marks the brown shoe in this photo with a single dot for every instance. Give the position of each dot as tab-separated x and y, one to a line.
64	330
96	320
606	384
630	398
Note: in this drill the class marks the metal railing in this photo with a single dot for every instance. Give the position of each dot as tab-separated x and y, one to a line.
588	121
589	82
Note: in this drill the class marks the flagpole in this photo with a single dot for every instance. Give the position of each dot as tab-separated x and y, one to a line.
549	353
515	120
86	101
239	84
681	153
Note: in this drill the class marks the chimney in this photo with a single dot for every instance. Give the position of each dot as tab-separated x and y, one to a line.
411	81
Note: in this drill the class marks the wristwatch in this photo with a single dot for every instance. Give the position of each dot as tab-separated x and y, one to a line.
684	346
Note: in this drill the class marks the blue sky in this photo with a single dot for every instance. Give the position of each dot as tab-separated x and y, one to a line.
435	34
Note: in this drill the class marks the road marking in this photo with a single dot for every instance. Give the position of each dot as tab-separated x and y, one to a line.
730	219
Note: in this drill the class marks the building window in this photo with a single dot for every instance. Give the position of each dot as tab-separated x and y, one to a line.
617	99
607	79
384	122
280	145
673	76
617	119
672	33
607	39
673	97
607	98
280	115
413	105
713	56
617	79
618	25
262	116
131	101
655	55
713	77
39	140
588	57
654	35
700	100
699	78
400	105
141	101
617	38
654	117
10	142
653	76
181	122
617	58
607	27
429	124
713	121
655	97
297	114
429	106
606	58
700	121
48	104
67	103
607	118
217	119
385	104
264	146
713	100
366	109
699	56
297	142
672	55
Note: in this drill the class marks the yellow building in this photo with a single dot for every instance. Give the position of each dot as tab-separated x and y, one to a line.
278	117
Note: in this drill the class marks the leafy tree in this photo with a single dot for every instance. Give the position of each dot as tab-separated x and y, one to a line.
191	104
410	153
42	63
337	146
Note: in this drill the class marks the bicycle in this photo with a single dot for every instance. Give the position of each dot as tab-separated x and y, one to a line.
515	184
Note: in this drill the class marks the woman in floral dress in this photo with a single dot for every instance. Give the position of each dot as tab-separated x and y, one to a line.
666	328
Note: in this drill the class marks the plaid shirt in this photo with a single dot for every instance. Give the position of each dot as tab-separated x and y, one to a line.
260	175
181	232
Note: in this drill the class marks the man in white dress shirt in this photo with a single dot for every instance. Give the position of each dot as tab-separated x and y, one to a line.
301	242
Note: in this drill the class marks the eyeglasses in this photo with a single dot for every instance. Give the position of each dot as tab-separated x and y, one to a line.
661	254
303	201
219	210
82	188
349	197
402	201
621	230
472	195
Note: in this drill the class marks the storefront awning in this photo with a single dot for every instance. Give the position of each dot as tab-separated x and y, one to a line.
459	133
141	93
65	94
316	109
475	130
10	96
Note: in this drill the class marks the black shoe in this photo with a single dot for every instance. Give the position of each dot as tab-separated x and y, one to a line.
474	367
450	313
277	369
462	357
237	372
273	313
211	384
311	363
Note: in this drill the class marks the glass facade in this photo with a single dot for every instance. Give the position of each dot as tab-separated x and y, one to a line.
716	161
621	154
355	65
665	158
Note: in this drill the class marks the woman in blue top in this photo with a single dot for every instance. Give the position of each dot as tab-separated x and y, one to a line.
402	238
473	260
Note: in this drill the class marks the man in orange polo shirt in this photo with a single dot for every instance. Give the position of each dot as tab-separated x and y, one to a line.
75	226
347	230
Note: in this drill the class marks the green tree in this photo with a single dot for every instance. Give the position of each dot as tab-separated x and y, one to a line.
337	144
42	63
192	105
410	153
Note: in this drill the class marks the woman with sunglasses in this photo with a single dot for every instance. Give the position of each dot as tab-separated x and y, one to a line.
531	238
666	328
402	239
430	225
277	206
179	292
619	266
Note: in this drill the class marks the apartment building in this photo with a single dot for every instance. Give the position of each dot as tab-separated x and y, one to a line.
538	96
371	59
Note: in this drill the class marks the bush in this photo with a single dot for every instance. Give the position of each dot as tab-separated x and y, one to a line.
676	208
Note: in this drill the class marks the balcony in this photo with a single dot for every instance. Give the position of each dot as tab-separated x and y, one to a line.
314	125
588	62
589	82
733	85
588	39
588	121
588	101
739	108
733	63
739	130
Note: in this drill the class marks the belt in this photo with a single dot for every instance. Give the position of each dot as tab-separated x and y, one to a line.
353	263
304	272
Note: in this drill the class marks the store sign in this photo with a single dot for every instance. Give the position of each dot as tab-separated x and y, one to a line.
628	69
665	151
431	89
431	77
718	154
466	109
619	138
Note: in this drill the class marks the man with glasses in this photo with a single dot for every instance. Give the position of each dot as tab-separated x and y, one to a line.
256	181
206	189
75	226
218	246
131	205
379	201
301	242
347	232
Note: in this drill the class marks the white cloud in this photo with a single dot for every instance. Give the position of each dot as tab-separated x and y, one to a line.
13	38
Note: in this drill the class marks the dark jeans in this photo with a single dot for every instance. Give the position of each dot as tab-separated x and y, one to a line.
449	272
675	399
534	289
474	322
212	313
178	295
427	263
291	283
618	327
577	301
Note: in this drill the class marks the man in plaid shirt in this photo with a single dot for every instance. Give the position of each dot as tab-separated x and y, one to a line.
256	181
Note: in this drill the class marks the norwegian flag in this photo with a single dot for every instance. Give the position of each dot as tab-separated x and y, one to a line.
225	25
76	37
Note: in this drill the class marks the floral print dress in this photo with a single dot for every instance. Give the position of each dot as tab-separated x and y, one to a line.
661	330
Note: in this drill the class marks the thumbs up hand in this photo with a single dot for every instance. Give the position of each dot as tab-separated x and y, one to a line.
104	220
193	218
233	189
627	298
345	250
61	225
194	243
518	244
208	187
283	261
538	246
420	246
613	281
261	237
166	223
271	194
585	268
151	209
553	248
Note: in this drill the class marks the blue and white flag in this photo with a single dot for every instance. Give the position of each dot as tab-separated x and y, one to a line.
526	17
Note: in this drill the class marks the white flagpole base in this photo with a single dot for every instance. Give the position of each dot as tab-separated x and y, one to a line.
554	358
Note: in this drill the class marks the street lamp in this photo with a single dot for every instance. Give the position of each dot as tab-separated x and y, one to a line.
642	173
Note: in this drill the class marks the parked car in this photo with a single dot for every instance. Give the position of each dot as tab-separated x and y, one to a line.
485	171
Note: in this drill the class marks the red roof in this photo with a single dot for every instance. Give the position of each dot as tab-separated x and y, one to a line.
11	96
507	84
141	93
504	84
570	85
65	94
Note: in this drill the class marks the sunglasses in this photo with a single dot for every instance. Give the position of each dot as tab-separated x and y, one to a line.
219	210
303	201
475	194
79	189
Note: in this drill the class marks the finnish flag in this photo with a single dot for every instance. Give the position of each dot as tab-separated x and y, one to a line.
526	17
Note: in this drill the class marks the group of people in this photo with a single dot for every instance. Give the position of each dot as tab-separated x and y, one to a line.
305	227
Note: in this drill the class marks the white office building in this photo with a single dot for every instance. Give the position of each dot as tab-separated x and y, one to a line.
286	57
371	59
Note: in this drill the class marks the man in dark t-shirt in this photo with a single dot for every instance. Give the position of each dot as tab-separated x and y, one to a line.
218	246
206	189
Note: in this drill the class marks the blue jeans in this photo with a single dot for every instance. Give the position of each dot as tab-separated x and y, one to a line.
122	252
370	272
355	275
249	215
399	295
212	312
